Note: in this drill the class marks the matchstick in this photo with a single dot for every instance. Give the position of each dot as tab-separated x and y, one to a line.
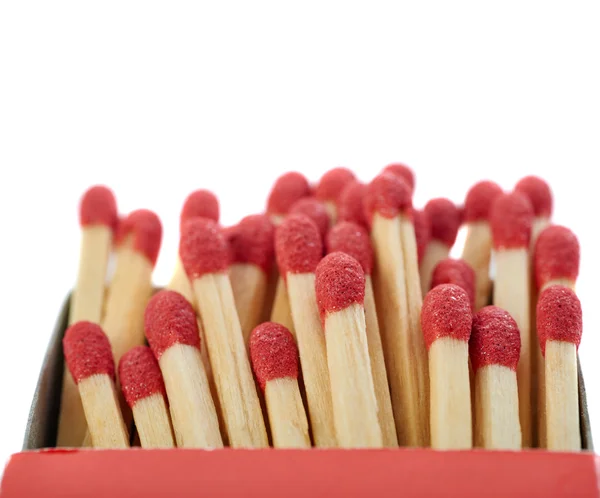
275	363
98	220
422	233
559	327
315	210
299	248
172	332
457	272
144	390
404	172
510	218
353	239
340	290
89	359
288	188
540	195
330	187
446	319
477	250
204	253
350	204
281	311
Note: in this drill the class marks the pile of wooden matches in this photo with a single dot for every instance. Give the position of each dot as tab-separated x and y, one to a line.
335	319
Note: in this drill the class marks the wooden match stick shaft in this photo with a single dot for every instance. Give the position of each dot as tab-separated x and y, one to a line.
249	285
435	252
477	252
152	422
181	283
281	311
331	209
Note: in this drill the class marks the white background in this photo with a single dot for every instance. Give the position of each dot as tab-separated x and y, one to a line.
156	99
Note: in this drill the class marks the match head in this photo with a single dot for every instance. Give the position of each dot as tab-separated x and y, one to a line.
169	319
495	339
273	352
457	272
332	184
556	255
139	375
479	201
558	316
403	171
287	190
511	217
144	229
445	220
298	245
388	195
315	210
350	203
203	248
200	204
339	283
422	232
98	207
539	193
353	240
87	351
252	241
446	312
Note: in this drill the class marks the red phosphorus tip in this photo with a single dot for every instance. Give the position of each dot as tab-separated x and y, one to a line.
403	171
98	207
252	241
558	316
495	339
288	188
298	245
422	232
388	195
539	194
350	203
556	255
445	220
87	351
332	183
273	352
446	312
339	283
511	217
139	375
169	319
353	240
200	203
203	248
458	272
145	230
315	210
479	201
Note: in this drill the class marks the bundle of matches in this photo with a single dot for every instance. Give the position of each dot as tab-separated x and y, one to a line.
376	338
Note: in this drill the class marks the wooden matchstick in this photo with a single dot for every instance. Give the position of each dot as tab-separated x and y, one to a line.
288	188
89	359
315	210
350	204
204	253
457	272
340	290
540	195
330	187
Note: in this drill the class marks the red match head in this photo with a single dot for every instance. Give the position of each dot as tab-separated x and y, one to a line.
445	219
298	245
139	375
144	229
200	204
98	207
479	201
539	193
495	339
315	210
87	351
287	190
253	241
273	352
457	272
558	316
340	282
332	184
388	195
511	218
350	203
203	248
169	319
354	240
446	312
422	232
556	255
403	171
